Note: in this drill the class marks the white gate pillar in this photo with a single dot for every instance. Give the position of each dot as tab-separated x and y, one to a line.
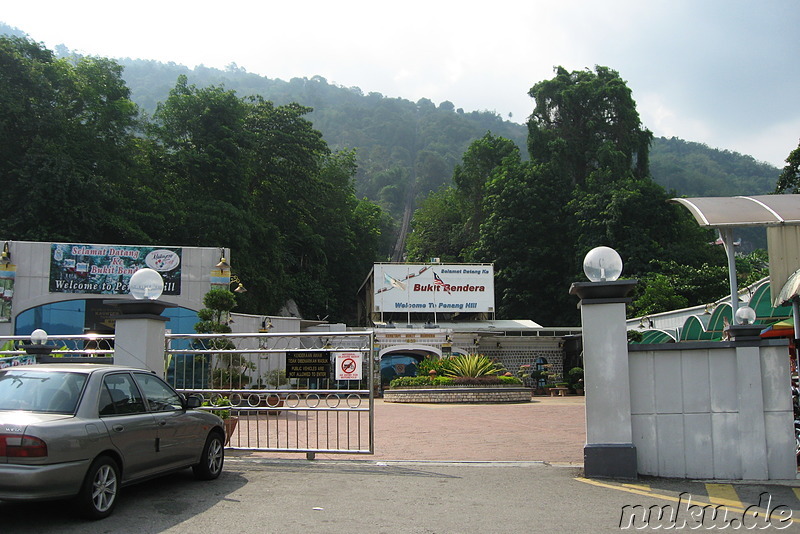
609	449
139	339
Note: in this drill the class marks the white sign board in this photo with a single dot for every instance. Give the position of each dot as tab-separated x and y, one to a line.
428	288
348	365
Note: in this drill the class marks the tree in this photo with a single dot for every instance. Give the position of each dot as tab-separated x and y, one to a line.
789	180
438	228
66	140
587	185
587	121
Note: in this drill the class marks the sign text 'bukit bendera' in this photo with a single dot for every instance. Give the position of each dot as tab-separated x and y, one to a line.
434	288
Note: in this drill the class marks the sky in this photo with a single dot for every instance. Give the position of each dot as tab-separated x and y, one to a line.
721	72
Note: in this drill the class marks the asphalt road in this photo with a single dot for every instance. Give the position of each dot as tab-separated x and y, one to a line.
298	496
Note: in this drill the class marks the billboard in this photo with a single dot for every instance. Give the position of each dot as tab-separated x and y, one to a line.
429	288
107	269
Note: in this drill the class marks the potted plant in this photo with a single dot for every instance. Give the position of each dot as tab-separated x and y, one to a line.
221	407
576	379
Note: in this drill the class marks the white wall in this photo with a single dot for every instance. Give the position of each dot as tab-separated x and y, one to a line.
712	410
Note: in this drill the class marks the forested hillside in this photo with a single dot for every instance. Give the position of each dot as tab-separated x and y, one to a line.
406	149
79	163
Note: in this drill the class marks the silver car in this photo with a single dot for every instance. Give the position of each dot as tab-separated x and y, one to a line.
83	431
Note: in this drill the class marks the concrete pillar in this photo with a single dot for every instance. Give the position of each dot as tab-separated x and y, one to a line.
609	450
139	340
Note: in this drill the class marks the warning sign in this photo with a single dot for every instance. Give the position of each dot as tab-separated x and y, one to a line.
308	365
348	365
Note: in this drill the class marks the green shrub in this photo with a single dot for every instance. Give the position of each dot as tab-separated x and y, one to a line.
471	365
510	380
221	401
440	365
443	381
410	381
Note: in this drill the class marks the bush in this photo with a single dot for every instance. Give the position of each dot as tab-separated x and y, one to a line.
410	381
443	381
510	380
221	401
471	365
440	365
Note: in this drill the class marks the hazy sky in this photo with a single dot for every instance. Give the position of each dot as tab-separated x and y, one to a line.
721	72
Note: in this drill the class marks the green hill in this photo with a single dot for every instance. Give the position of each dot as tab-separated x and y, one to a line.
407	149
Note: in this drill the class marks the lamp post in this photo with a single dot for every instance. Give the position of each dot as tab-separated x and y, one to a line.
38	345
140	328
609	449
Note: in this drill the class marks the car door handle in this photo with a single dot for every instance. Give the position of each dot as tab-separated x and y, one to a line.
118	428
162	422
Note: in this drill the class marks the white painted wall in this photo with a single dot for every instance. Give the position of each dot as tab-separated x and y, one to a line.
712	410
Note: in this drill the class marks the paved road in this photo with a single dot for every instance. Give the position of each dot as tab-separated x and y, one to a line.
297	496
473	471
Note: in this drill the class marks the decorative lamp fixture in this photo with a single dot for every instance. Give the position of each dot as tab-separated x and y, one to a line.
38	345
146	284
6	257
223	264
602	264
239	285
745	315
38	337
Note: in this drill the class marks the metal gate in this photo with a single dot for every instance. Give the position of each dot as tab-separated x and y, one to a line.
285	392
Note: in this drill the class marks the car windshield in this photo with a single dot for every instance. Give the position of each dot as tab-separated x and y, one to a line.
36	391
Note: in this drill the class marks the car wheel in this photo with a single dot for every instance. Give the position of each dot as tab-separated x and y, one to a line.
98	495
211	460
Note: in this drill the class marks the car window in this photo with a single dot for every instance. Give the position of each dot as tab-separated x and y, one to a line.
120	395
37	391
160	397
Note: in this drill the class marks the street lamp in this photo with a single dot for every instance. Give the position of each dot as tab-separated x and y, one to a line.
38	343
602	264
146	284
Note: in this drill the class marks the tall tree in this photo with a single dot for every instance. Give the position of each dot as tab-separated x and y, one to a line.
789	180
588	185
586	121
66	139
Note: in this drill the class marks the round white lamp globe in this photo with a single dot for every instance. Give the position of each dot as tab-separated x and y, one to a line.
745	315
602	264
38	337
146	284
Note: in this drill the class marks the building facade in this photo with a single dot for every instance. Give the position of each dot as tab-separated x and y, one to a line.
421	310
61	287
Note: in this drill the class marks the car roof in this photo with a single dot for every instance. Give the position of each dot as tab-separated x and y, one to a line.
87	368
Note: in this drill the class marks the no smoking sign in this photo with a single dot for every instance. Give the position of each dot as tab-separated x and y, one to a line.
348	366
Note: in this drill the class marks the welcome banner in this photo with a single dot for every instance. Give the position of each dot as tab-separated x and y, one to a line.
107	269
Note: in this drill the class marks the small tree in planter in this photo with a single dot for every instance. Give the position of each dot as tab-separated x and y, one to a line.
229	370
225	413
576	379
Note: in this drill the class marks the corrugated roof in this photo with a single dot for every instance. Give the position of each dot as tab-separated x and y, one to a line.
761	210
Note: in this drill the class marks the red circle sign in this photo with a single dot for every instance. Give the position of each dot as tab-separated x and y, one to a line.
349	365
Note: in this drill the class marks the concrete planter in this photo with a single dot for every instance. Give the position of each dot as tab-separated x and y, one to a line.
458	395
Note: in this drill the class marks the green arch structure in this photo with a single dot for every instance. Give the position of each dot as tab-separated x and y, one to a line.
711	327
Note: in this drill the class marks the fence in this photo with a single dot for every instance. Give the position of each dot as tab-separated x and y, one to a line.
296	392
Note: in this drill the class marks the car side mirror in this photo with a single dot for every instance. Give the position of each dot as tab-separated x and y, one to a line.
194	401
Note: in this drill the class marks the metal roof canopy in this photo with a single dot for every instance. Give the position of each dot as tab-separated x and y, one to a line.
727	213
762	210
